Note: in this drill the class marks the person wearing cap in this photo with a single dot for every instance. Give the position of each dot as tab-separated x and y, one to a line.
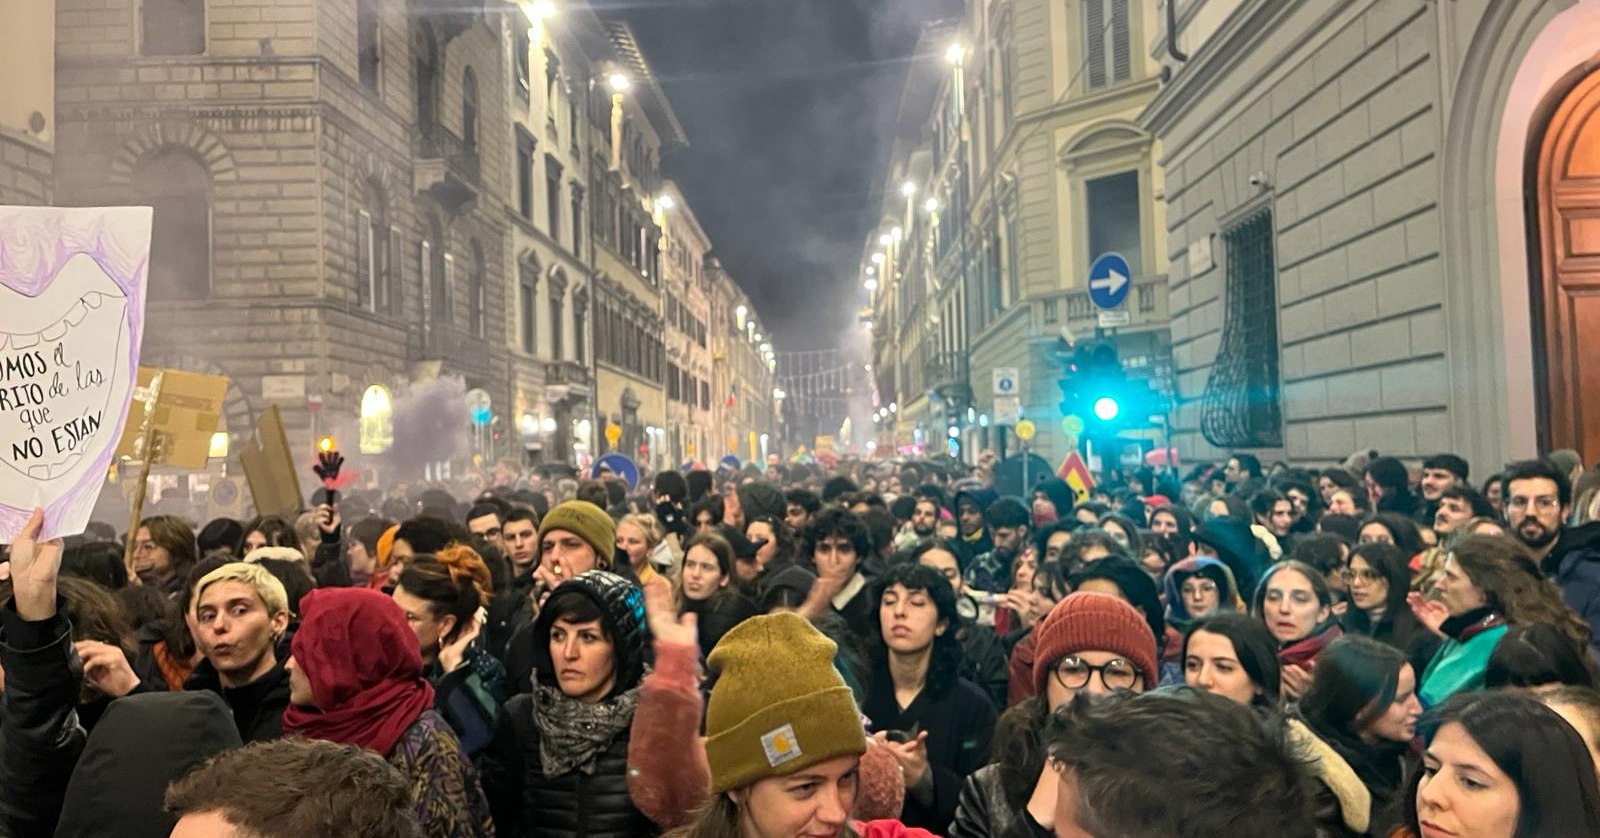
1089	644
575	538
784	743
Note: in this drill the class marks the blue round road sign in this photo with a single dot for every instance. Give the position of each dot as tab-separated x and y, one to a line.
1109	280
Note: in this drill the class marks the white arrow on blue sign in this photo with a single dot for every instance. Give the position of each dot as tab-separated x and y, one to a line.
1108	280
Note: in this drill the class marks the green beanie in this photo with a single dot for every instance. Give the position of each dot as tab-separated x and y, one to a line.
588	522
778	705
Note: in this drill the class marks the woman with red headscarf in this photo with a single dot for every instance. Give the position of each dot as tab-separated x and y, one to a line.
356	678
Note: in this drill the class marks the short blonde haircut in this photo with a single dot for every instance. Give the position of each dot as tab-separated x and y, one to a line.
267	586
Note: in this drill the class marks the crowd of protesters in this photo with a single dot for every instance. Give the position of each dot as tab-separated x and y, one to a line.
1374	648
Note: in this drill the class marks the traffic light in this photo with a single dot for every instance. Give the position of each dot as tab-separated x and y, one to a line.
1098	392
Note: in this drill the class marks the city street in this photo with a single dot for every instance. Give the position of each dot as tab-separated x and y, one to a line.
775	419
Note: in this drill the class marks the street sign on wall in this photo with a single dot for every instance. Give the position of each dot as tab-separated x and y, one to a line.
1007	381
1007	410
1109	280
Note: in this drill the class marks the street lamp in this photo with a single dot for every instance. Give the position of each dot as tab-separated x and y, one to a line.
931	205
908	189
894	407
666	202
741	311
619	83
877	258
886	240
872	270
871	284
955	53
539	10
896	233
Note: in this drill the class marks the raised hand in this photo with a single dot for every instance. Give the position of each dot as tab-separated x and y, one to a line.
666	625
35	566
912	756
1429	612
453	654
106	668
1294	681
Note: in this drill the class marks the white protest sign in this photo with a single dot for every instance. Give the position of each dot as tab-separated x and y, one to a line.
72	286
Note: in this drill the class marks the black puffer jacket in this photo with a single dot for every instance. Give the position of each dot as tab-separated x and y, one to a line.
525	801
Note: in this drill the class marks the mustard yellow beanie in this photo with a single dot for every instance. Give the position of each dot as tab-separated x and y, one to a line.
778	705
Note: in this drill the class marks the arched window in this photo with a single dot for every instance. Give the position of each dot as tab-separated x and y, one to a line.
469	109
475	291
176	183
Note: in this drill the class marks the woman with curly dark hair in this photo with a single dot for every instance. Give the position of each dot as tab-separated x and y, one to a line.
936	723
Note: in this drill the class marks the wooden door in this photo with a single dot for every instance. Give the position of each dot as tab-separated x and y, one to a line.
1568	177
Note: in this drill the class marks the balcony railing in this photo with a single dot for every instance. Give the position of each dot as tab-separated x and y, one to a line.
1147	305
947	374
447	168
457	348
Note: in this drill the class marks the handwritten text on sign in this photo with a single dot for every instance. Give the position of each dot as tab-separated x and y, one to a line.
56	381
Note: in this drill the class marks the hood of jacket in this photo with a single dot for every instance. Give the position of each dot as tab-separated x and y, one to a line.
1213	569
142	744
1581	543
621	605
981	497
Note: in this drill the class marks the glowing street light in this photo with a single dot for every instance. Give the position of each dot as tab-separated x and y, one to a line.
877	258
619	83
908	189
886	239
894	407
666	202
931	205
872	270
741	311
871	285
896	233
539	10
955	53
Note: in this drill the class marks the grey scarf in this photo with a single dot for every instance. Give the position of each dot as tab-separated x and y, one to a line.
572	734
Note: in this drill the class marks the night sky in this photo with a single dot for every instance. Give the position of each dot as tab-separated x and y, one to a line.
788	106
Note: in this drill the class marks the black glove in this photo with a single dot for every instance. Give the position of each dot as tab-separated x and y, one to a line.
672	519
328	464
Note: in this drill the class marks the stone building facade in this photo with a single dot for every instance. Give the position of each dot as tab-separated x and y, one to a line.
326	185
1378	227
689	431
1023	160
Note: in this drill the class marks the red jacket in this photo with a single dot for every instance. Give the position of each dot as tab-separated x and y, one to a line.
889	829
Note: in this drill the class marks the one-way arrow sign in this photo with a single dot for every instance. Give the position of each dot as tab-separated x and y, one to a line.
1108	280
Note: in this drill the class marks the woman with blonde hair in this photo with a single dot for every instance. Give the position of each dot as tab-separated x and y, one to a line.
639	535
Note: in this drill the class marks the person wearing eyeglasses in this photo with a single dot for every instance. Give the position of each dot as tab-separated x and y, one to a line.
1378	579
1538	501
1197	587
1090	644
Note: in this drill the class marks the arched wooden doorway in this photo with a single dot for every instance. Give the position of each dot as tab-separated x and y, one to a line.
1567	293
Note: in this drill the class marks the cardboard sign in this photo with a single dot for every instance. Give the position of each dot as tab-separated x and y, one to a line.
188	408
269	467
1077	476
72	286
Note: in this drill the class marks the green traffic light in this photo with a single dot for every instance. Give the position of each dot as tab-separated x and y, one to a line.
1106	408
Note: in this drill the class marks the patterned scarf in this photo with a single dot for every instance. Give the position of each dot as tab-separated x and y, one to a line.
572	733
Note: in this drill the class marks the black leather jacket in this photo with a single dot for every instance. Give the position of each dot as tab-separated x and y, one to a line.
40	737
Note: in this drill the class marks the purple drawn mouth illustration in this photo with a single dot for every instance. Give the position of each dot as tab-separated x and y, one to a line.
57	382
71	319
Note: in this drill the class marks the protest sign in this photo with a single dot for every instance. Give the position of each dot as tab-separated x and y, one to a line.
269	468
72	288
187	410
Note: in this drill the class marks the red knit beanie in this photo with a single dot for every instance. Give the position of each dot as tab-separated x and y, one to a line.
1090	622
